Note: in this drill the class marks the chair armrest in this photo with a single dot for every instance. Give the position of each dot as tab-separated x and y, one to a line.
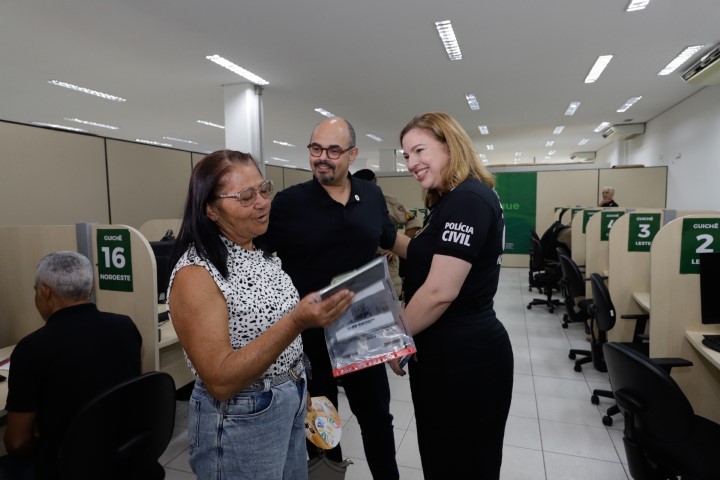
642	337
668	363
636	316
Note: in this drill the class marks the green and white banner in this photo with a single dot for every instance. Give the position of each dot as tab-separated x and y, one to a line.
518	196
114	260
642	228
607	219
699	235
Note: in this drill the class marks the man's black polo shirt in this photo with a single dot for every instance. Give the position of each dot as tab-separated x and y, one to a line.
318	238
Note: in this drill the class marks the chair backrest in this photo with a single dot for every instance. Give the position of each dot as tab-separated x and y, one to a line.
122	432
604	308
549	240
573	276
648	395
537	261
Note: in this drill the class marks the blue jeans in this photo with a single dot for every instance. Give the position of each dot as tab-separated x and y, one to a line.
253	435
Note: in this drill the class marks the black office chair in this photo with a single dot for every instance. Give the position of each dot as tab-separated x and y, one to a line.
603	312
531	270
122	432
573	288
663	436
547	277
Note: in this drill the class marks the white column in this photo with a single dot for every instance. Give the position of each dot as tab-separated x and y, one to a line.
244	119
386	160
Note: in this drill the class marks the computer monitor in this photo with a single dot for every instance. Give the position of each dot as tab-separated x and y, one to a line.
163	251
710	287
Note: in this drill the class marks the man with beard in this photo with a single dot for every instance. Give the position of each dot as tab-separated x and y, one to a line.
327	226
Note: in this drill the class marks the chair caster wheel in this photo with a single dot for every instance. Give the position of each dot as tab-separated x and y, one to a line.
595	400
564	325
529	307
607	420
571	356
578	368
552	310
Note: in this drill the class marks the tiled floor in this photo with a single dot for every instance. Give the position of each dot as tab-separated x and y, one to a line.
553	432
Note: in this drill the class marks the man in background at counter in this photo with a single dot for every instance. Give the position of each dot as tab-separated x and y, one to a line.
54	371
607	197
400	216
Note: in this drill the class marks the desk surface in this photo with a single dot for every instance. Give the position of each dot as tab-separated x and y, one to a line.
642	299
695	339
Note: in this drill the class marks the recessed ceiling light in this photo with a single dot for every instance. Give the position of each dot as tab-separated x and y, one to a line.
551	152
279	159
447	35
601	127
682	57
374	137
482	155
225	63
210	124
61	127
322	111
490	147
583	141
70	86
150	142
92	124
472	101
284	144
628	103
518	154
550	143
572	108
485	161
558	130
598	68
173	139
483	129
636	5
546	159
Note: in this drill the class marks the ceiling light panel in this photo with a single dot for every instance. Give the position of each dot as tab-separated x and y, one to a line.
583	141
628	103
236	69
601	127
636	5
483	129
173	139
151	142
550	143
92	124
374	137
61	127
88	91
558	130
279	159
284	144
447	35
572	108
681	58
490	147
322	111
597	69
472	101
210	124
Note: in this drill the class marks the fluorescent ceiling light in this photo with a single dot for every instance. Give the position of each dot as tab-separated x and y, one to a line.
70	86
583	141
546	159
92	124
374	137
550	143
482	155
483	129
490	147
558	130
447	35
173	139
636	5
225	63
628	103
598	68
572	108
518	154
322	111
682	57
551	152
210	124
601	127
150	142
279	159
61	127
284	144
485	161
472	101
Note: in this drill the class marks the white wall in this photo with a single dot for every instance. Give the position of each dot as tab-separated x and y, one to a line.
686	138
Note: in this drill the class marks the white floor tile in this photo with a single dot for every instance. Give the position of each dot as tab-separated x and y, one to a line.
562	387
524	406
522	464
522	432
408	454
566	467
578	440
569	410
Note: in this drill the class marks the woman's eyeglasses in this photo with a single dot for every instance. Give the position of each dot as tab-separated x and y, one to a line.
247	197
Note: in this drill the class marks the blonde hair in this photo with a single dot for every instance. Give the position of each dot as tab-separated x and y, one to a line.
464	161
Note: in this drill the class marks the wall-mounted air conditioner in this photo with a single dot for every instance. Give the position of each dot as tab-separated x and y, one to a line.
625	131
706	71
582	156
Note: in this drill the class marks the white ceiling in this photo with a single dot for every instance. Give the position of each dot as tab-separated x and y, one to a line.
377	63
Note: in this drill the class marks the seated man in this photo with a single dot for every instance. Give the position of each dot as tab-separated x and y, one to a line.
54	371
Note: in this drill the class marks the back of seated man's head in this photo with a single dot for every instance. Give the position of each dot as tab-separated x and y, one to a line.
365	174
62	279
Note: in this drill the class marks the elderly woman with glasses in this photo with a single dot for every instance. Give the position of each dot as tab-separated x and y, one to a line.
239	318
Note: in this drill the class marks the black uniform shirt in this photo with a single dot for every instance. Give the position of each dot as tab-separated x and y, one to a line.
318	238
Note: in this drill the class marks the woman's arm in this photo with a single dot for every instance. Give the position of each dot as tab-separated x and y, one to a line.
446	277
200	316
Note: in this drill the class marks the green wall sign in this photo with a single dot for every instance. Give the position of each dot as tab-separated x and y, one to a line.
114	260
586	217
607	219
642	228
699	235
518	196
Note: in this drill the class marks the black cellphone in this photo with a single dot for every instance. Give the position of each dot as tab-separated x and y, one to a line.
404	360
2	378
